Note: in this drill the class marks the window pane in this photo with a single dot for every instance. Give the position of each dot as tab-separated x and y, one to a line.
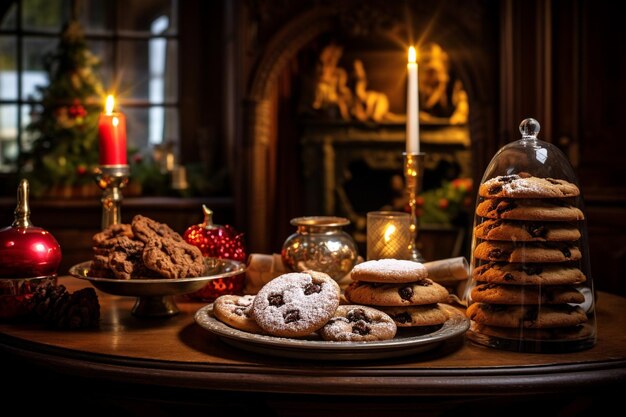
34	75
151	126
149	70
45	15
8	68
8	137
96	16
9	19
26	136
104	51
154	16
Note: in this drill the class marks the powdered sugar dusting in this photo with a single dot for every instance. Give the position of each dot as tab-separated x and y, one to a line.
524	187
528	187
288	294
392	268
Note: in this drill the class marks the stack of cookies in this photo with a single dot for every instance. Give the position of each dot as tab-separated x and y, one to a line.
527	259
144	249
401	289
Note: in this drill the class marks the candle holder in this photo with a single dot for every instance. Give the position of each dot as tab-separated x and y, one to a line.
111	179
388	235
413	174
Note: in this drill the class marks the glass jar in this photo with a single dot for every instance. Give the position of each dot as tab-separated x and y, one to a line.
531	288
320	244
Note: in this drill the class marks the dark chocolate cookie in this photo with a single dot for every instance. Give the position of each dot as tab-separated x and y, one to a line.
173	259
111	232
146	230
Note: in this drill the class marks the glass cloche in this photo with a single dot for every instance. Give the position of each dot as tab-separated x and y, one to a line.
530	288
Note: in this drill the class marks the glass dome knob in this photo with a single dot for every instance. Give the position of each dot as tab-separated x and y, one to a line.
529	128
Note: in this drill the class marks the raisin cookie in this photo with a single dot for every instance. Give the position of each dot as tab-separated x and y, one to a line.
527	316
393	295
173	259
414	316
526	231
541	210
389	271
523	185
356	323
296	304
235	311
515	294
536	252
147	230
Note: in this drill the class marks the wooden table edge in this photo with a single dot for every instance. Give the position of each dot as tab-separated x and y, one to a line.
340	380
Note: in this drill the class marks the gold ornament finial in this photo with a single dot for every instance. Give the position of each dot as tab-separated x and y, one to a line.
208	217
22	211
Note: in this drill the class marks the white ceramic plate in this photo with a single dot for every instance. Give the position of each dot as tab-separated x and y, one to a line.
408	341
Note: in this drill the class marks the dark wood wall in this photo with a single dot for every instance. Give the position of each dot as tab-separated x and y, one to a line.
564	63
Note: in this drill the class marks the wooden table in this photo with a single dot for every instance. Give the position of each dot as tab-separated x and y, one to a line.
176	359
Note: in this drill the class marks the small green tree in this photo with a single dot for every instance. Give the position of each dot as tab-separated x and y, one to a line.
65	124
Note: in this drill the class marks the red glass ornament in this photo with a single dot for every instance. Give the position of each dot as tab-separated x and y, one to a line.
217	241
26	252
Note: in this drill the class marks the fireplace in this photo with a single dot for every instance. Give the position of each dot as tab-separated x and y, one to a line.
299	163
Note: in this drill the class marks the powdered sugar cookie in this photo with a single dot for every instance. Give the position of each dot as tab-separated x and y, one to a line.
234	310
356	323
389	270
296	304
523	185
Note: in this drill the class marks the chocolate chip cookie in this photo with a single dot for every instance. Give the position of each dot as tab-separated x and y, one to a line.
420	292
296	304
524	185
235	311
528	274
356	323
540	210
518	294
527	316
516	231
526	253
417	316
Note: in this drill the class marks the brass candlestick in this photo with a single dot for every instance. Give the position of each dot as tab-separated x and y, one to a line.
413	174
111	179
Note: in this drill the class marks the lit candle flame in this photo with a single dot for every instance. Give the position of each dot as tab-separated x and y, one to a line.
390	230
110	103
412	55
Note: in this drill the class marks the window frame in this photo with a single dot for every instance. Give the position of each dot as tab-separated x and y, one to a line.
115	37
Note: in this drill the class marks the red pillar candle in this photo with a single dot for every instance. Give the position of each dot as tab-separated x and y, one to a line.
112	136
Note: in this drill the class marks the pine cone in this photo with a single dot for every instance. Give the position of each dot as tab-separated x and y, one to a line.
60	309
